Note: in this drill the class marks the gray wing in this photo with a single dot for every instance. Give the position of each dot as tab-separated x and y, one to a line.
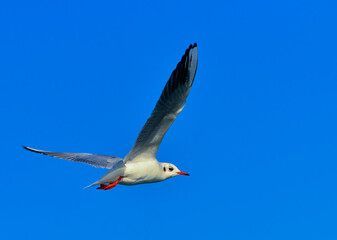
95	160
169	105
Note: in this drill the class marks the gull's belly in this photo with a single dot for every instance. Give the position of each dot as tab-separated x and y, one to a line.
141	172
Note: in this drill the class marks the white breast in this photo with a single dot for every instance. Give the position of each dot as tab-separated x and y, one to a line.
142	172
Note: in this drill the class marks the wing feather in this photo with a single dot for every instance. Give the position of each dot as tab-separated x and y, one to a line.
95	160
169	105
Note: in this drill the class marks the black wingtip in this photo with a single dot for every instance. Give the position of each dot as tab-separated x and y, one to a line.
190	48
30	149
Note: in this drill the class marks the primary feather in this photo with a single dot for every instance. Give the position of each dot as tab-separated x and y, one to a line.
95	160
169	105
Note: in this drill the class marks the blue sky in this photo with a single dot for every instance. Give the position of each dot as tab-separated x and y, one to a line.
258	134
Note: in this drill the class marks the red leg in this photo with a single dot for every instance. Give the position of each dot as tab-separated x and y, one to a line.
102	186
111	185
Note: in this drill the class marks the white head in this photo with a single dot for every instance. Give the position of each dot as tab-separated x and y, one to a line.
170	170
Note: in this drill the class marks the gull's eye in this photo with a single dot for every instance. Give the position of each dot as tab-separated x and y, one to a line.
171	169
164	169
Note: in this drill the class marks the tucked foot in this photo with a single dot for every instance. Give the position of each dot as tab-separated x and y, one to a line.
102	186
111	185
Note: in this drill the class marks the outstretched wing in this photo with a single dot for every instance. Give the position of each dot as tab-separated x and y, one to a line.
169	105
95	160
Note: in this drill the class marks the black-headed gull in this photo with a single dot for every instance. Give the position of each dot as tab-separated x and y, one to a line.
141	165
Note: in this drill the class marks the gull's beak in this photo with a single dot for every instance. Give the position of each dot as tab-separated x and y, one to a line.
182	173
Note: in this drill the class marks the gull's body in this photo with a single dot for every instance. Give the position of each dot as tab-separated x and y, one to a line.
146	170
140	164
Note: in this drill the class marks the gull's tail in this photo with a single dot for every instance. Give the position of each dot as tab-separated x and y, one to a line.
93	184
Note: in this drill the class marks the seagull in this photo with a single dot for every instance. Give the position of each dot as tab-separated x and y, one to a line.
140	164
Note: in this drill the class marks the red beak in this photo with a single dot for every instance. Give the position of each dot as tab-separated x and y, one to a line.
183	173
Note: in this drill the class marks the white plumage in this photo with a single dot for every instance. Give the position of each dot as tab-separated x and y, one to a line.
140	164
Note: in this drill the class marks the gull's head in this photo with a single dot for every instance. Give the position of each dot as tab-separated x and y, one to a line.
170	170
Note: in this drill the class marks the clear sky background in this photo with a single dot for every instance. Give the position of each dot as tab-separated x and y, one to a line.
258	134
